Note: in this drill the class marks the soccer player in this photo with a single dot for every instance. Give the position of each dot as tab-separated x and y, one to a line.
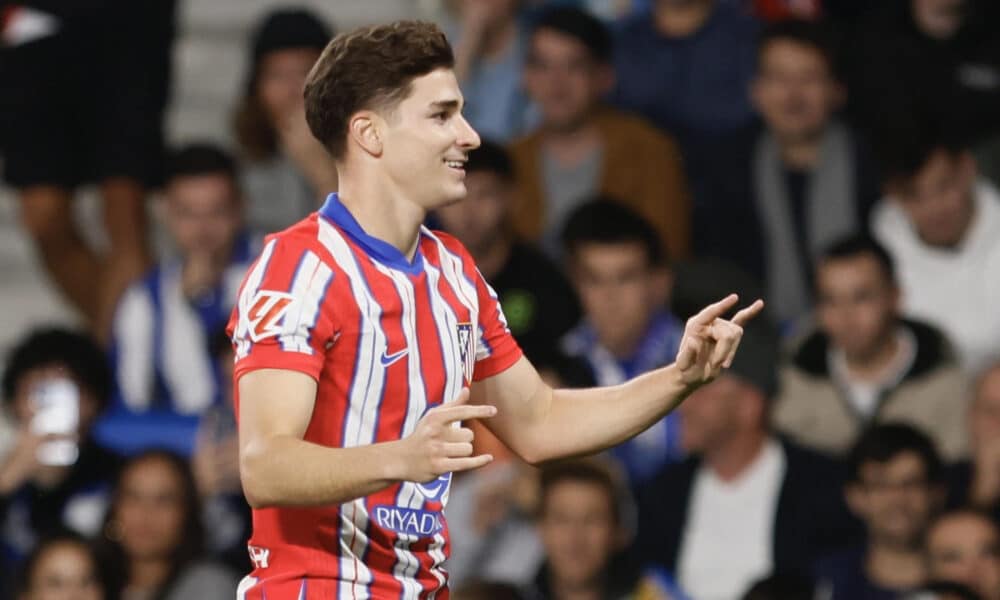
363	341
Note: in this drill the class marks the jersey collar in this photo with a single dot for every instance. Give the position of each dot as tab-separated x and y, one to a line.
384	252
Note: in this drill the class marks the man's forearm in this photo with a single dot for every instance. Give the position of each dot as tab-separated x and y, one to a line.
288	471
584	421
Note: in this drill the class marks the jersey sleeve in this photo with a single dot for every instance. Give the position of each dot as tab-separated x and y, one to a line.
281	320
496	350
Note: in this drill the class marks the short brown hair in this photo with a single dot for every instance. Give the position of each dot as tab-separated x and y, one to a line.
371	67
593	471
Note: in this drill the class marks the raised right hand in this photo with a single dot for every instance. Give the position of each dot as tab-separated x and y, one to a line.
440	444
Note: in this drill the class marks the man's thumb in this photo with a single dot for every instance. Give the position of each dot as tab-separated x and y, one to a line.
462	397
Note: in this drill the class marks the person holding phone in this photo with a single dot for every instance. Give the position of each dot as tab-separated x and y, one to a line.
54	476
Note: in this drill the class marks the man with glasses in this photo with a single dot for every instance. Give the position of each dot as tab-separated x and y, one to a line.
894	488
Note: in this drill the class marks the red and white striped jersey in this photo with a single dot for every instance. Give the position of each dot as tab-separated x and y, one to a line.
386	339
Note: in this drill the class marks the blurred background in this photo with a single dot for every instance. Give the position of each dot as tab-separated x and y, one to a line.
640	159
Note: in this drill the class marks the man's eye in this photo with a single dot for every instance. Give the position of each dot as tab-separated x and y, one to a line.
441	116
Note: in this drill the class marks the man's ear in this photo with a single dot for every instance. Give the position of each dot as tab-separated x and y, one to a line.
605	78
365	130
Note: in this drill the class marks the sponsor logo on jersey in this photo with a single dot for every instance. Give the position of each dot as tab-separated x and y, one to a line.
388	359
265	313
412	521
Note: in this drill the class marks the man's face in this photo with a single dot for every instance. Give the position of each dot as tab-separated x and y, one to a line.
281	78
857	305
424	141
579	531
963	548
794	90
478	221
203	213
563	79
984	417
712	414
894	499
938	199
618	289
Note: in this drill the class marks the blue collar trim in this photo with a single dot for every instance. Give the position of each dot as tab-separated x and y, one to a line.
384	252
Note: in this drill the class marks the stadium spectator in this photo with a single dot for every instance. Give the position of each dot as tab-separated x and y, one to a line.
621	273
487	590
154	536
583	147
942	226
976	482
56	476
582	525
686	65
925	58
865	364
964	546
85	86
895	487
745	499
163	326
286	171
539	303
794	184
490	43
64	566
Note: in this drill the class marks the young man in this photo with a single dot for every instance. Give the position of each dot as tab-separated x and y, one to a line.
964	546
165	320
358	332
583	147
941	223
621	273
895	487
796	182
865	364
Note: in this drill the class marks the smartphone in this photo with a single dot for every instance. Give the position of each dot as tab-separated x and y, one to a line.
57	412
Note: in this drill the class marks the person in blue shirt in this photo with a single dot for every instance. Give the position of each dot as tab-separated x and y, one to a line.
164	371
618	265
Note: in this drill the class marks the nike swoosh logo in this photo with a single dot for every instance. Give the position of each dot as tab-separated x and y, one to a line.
388	359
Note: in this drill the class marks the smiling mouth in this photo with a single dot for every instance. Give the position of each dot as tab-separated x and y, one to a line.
458	165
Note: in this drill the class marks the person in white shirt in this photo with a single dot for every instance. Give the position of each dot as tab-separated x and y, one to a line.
941	223
746	503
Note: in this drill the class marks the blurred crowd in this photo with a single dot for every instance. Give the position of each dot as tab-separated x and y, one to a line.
640	159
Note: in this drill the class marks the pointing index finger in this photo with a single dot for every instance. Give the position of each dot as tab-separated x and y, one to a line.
748	313
713	311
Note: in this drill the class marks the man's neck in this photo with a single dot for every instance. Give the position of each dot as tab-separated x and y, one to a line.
383	213
680	19
732	459
871	366
492	259
148	574
895	568
571	146
800	154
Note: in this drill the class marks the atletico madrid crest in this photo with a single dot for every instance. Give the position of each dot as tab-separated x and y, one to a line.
467	346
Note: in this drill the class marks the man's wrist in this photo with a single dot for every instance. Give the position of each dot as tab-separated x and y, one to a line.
393	461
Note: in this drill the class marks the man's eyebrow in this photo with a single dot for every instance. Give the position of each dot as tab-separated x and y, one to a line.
445	105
